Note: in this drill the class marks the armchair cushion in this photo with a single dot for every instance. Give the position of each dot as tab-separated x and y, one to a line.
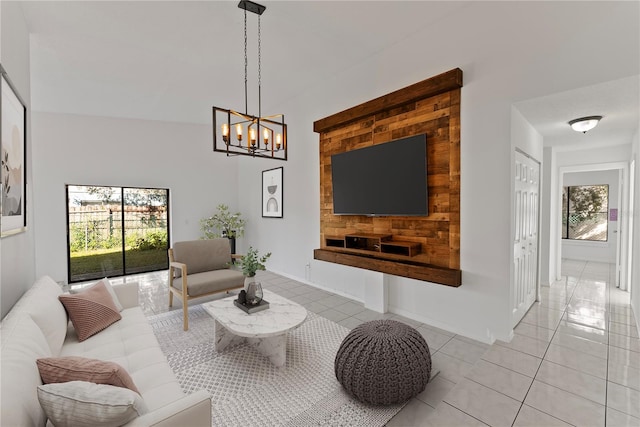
203	255
211	281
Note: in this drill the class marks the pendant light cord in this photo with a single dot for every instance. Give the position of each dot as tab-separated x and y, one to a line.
246	103
259	71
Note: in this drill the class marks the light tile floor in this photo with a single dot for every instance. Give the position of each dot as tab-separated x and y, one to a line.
574	359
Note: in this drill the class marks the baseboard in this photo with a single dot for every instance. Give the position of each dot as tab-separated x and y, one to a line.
397	310
315	285
452	329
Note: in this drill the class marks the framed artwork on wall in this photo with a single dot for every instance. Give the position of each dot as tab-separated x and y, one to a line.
272	193
13	152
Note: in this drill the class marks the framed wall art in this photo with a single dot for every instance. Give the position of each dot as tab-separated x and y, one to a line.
272	193
13	152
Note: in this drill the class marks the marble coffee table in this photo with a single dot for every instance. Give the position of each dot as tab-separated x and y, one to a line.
265	330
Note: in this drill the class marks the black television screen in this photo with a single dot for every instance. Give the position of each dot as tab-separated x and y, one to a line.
387	179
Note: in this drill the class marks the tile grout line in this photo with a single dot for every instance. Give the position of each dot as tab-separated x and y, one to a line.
469	415
608	314
555	331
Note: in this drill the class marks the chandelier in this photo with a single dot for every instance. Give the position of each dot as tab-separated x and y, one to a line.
237	133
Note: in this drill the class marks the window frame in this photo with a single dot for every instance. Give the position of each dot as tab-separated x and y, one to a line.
122	189
565	212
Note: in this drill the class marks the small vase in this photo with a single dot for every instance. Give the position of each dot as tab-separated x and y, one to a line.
254	291
247	280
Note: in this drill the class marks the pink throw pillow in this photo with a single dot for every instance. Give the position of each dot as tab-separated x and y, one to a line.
74	368
90	311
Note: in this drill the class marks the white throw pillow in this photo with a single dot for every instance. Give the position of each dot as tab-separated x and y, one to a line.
116	301
107	285
77	403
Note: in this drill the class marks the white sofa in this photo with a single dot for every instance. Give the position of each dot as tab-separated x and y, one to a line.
37	327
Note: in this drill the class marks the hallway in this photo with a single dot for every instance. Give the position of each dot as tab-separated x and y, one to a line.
590	372
574	360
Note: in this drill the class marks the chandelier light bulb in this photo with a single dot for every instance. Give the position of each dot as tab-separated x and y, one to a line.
252	136
225	133
239	131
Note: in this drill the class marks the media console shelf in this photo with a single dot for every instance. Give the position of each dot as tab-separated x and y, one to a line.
367	242
334	241
381	243
379	252
400	248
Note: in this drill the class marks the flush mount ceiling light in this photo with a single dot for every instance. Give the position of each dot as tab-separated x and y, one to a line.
238	133
584	124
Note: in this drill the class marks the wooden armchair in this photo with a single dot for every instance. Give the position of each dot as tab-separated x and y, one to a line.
199	268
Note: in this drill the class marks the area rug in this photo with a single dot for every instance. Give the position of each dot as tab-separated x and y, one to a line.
247	390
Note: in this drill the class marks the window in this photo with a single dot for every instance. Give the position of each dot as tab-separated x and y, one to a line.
114	231
585	212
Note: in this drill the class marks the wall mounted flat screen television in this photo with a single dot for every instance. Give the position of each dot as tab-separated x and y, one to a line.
388	179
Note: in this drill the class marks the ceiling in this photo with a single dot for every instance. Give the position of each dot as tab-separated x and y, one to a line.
192	52
617	101
171	60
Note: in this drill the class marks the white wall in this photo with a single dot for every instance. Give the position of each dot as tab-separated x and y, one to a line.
588	250
86	150
549	207
17	256
524	137
572	161
292	238
635	261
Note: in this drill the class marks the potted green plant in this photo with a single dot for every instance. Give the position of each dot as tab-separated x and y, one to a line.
223	223
252	262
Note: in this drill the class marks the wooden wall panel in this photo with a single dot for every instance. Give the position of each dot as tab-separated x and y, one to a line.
430	107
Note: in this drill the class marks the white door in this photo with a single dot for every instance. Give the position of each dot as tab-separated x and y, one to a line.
619	227
631	208
525	244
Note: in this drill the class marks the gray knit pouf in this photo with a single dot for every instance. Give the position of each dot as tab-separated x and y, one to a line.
383	362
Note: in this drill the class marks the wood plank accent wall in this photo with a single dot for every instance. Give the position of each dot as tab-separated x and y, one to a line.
430	107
